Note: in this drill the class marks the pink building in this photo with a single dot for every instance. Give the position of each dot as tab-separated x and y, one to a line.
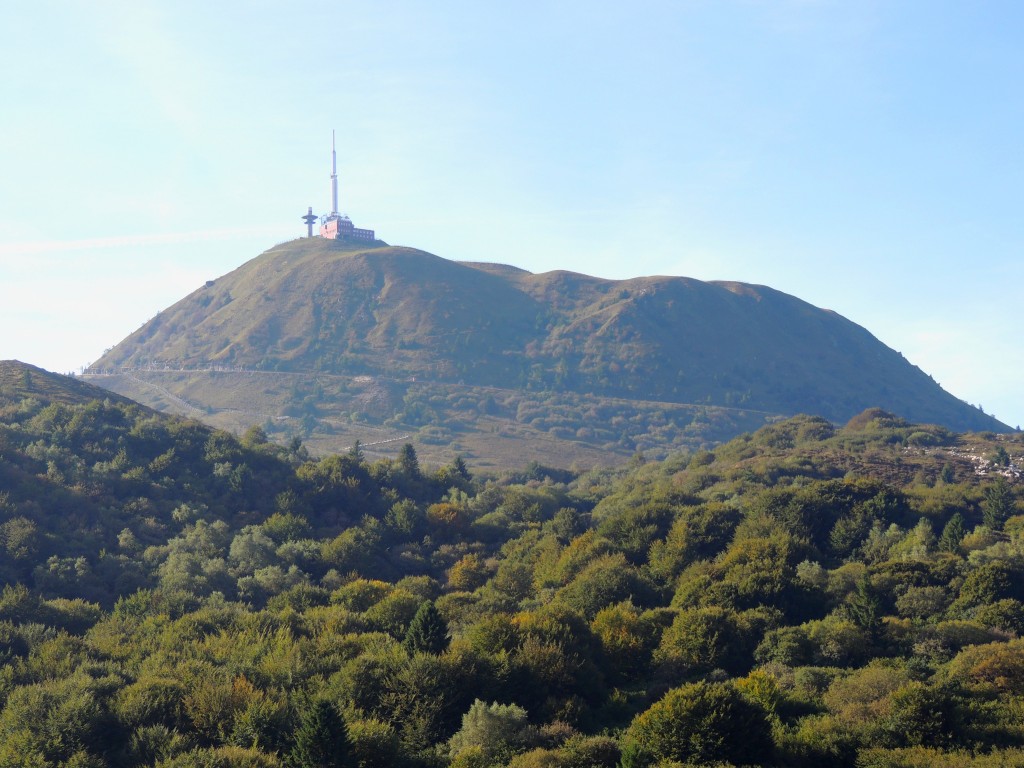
339	227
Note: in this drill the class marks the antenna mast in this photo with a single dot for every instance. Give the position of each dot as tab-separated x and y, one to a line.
334	178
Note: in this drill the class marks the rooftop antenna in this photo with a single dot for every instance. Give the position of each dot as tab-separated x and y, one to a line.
309	218
334	178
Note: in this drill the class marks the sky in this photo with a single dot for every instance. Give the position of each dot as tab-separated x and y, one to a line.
865	157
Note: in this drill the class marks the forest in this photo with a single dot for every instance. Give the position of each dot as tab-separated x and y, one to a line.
804	595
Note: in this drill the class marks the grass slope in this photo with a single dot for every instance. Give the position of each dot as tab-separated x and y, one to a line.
404	317
19	380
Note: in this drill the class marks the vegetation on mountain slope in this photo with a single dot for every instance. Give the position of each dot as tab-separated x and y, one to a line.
803	595
317	306
491	427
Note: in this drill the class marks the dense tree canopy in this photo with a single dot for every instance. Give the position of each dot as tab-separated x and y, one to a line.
801	596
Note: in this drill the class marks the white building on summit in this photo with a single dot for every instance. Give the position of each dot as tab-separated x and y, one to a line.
334	225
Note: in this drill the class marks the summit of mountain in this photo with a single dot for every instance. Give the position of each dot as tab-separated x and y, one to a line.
401	316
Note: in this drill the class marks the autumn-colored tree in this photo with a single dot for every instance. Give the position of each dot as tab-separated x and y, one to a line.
999	666
627	638
468	573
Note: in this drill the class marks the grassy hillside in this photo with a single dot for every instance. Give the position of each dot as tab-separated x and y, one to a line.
319	305
19	380
409	320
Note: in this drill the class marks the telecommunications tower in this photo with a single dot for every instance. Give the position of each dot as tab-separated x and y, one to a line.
335	225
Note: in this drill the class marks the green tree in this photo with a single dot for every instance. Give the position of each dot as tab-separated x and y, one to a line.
374	744
428	632
923	602
953	534
497	730
20	538
405	518
297	450
408	462
356	451
459	468
698	532
1000	457
51	720
420	699
250	550
988	583
1006	614
285	525
998	504
920	714
863	607
321	740
702	639
152	700
608	579
254	436
590	752
699	723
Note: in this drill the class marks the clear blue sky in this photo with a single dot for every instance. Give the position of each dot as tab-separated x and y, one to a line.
864	156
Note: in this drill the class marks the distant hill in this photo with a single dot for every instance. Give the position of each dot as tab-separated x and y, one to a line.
407	319
19	380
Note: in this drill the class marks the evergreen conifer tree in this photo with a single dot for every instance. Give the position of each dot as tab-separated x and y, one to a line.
1000	457
356	451
428	631
408	462
952	534
863	607
321	740
460	469
998	504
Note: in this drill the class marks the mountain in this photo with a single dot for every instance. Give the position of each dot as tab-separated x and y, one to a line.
395	320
